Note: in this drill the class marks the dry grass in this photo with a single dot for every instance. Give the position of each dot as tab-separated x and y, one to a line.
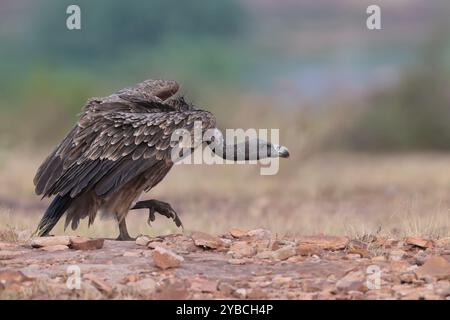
353	194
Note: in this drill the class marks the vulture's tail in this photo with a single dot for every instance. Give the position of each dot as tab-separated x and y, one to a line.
54	212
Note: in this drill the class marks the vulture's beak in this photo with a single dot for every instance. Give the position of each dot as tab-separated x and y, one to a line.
283	152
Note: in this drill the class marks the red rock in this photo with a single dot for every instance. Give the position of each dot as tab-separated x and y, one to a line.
308	249
82	243
240	249
352	281
240	293
142	240
238	233
419	242
261	234
100	284
436	267
207	241
325	242
165	259
284	253
407	277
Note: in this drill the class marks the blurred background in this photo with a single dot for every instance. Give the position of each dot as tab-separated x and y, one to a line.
365	113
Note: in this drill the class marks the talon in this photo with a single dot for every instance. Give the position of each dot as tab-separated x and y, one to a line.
162	208
151	216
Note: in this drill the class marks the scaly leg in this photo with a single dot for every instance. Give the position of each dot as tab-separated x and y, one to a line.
123	236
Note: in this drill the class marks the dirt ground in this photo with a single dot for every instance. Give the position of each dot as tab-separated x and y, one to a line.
392	209
241	264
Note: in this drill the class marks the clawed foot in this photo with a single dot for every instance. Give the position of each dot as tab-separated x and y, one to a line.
160	207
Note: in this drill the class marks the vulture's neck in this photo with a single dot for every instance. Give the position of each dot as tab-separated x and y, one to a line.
254	149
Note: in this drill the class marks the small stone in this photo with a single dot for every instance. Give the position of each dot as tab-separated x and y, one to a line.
207	241
165	259
325	242
240	249
261	234
50	241
57	247
240	293
419	242
352	281
307	249
436	267
142	240
226	242
238	233
100	284
82	243
284	253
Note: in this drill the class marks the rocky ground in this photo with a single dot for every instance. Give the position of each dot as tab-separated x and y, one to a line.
241	264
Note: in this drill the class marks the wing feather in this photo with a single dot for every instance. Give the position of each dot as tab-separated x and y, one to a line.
95	168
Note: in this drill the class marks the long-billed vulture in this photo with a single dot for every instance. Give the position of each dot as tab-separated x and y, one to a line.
122	147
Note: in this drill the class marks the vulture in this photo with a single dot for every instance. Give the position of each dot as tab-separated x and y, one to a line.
122	146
